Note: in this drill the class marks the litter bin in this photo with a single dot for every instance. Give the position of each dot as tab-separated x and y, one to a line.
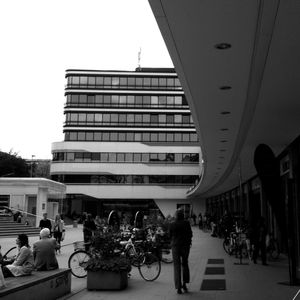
75	223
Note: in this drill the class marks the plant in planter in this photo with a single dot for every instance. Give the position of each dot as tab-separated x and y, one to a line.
107	269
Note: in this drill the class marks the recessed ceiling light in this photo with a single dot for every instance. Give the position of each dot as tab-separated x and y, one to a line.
225	87
224	141
224	129
222	46
225	112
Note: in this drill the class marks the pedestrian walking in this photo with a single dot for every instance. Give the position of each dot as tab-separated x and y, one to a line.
181	240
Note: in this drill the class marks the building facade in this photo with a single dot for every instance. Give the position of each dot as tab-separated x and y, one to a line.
129	142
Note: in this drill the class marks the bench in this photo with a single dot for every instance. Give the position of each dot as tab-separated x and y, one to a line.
40	285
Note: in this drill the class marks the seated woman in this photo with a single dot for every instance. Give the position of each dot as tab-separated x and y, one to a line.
44	251
23	264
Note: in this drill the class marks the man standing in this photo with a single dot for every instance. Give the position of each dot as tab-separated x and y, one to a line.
181	241
45	223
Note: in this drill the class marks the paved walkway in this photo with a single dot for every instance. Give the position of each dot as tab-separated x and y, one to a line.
243	282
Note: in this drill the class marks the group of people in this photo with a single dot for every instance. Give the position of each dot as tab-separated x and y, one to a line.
41	257
56	228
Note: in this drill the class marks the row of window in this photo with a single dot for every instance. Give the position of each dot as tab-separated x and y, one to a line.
124	82
126	179
99	100
121	136
126	119
116	157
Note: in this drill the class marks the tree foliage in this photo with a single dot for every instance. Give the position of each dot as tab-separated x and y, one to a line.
11	165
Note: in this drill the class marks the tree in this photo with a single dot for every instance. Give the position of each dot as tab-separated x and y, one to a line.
11	165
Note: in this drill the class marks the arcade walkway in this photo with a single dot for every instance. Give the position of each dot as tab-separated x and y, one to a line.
243	282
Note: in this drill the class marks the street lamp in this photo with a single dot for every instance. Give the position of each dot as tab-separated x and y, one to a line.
31	168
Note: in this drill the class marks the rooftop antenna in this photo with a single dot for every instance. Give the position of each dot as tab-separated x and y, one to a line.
139	58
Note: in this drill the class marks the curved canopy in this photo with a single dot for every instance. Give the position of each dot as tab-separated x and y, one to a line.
238	62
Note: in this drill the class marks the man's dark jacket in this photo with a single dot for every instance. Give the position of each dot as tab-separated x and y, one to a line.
180	233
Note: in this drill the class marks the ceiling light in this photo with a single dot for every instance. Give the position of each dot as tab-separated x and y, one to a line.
224	141
225	112
222	46
225	87
224	129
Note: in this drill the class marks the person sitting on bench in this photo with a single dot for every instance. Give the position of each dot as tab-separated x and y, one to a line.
23	264
44	252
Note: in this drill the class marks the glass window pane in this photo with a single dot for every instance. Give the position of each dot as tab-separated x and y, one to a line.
162	119
114	118
154	82
114	136
105	136
99	81
130	100
122	118
145	157
91	80
89	136
146	118
73	136
177	137
170	137
130	137
178	158
122	136
70	156
83	99
99	99
129	157
162	137
107	81
170	119
81	136
115	100
146	100
139	82
146	137
138	118
185	119
131	81
185	137
106	118
178	119
120	157
147	81
98	118
154	137
123	81
170	82
106	99
139	100
170	100
193	137
83	80
178	100
137	137
136	157
122	100
115	81
154	119
82	117
162	82
97	136
96	156
104	157
112	157
130	118
154	101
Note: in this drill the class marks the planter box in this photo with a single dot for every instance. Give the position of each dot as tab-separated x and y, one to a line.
106	280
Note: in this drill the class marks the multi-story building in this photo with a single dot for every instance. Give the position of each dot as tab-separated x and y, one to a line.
129	142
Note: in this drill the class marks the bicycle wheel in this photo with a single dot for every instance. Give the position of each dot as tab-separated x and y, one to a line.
11	253
226	246
151	268
166	256
77	262
136	255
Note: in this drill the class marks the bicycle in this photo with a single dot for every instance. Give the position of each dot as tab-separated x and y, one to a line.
9	255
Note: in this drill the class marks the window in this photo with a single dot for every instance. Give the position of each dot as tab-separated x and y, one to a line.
170	119
162	119
170	101
139	100
122	100
185	119
75	80
98	136
145	157
70	156
106	118
154	100
74	99
122	118
170	137
92	80
154	119
154	82
146	100
178	158
185	137
137	137
138	119
90	100
130	118
81	136
146	137
139	82
178	119
161	137
115	81
112	157
90	119
162	82
106	100
89	136
129	157
99	81
136	157
82	99
114	100
129	136
73	136
96	156
177	137
104	157
154	137
98	118
153	157
83	80
193	137
105	136
107	81
130	100
79	156
114	118
120	157
162	100
146	118
99	99
122	136
170	82
131	82
123	81
178	100
114	136
147	81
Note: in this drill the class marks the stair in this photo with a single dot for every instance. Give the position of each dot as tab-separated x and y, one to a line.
9	228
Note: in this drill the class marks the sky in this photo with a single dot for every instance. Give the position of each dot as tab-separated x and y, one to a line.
40	39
